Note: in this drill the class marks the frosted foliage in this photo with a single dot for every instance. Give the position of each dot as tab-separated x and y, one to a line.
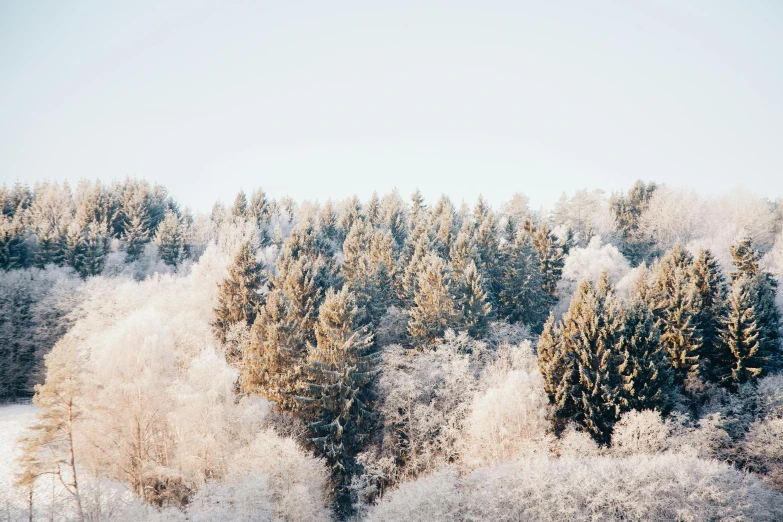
763	445
157	401
589	263
509	418
640	432
770	393
682	216
575	444
663	487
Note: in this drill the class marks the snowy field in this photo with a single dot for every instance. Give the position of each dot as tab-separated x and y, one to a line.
13	421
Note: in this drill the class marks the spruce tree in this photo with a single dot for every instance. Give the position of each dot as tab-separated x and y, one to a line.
239	294
239	208
136	221
470	298
490	258
559	372
764	290
584	354
416	250
551	257
647	377
338	394
273	363
744	360
169	238
522	297
674	302
627	212
463	251
711	293
433	309
372	212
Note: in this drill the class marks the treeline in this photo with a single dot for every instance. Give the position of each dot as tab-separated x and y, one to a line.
51	224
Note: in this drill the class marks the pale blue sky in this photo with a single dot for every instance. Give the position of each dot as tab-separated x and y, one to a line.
327	99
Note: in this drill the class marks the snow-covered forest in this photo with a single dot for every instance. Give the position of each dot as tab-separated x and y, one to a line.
613	357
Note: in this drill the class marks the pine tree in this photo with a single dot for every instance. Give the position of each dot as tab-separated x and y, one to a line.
372	212
746	261
551	257
473	308
239	294
169	238
647	376
13	249
273	363
674	303
711	295
349	215
418	209
463	251
559	371
136	220
86	249
433	309
740	336
338	395
417	249
490	258
522	297
51	246
627	212
239	208
590	390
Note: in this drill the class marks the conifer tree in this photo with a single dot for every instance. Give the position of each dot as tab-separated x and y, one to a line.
239	294
522	297
433	309
51	246
764	289
551	257
590	390
746	259
273	363
674	303
394	217
87	249
559	372
711	293
744	360
463	251
349	215
647	376
418	208
338	395
327	221
169	238
470	299
239	208
372	212
417	249
13	250
490	258
627	212
136	221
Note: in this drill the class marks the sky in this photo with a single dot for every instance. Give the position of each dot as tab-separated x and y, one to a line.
320	100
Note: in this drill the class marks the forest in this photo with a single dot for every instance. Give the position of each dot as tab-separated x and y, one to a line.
614	357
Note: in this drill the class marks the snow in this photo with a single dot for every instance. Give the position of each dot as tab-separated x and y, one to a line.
14	419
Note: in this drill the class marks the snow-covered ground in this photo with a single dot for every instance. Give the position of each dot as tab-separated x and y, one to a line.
14	419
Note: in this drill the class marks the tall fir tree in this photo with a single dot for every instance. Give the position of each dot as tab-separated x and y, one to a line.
470	298
522	297
338	394
580	361
273	363
239	208
743	360
433	309
764	291
136	220
239	294
647	377
628	210
711	293
170	240
551	257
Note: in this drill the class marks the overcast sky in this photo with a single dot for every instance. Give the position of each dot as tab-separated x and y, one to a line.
326	99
